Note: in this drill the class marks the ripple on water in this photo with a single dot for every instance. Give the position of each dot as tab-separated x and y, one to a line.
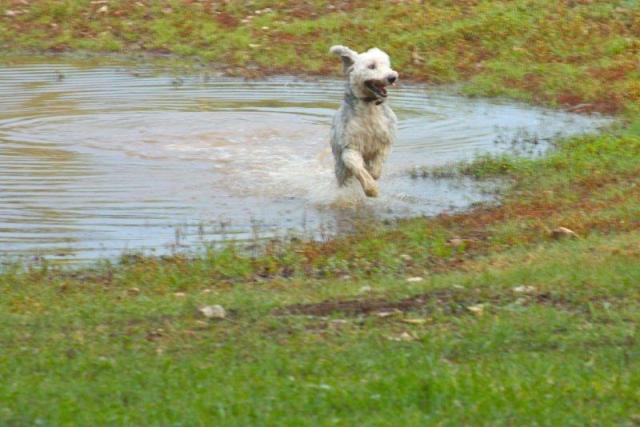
100	160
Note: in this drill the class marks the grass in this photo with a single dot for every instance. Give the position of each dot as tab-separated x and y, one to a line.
508	326
565	351
570	53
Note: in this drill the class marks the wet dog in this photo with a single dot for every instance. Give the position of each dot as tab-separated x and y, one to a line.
364	127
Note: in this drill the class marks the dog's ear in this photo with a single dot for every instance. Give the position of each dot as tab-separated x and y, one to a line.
347	56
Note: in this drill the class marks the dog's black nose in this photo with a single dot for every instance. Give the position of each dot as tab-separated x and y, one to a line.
391	79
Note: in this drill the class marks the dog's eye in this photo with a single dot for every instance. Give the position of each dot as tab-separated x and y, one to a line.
372	66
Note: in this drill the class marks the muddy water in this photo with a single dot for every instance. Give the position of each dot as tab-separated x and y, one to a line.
97	161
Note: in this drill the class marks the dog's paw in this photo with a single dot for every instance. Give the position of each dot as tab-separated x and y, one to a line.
372	191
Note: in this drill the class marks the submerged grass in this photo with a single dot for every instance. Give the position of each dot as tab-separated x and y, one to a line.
500	322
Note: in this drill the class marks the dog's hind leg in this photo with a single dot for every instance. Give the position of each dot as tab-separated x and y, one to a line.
353	161
342	173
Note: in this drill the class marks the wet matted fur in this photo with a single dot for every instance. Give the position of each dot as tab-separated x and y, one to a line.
364	127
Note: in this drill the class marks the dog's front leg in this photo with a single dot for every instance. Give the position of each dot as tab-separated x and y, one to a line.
375	164
355	163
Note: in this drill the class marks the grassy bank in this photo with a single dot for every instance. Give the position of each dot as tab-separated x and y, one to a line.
537	336
568	53
480	318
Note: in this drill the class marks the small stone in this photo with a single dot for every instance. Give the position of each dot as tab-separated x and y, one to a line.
383	314
415	279
405	336
524	289
103	9
133	291
456	242
477	309
11	13
414	321
405	257
213	311
563	232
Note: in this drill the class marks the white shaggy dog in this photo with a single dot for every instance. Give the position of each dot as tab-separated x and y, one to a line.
364	127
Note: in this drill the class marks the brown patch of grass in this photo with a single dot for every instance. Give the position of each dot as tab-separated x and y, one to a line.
449	300
226	20
357	307
615	72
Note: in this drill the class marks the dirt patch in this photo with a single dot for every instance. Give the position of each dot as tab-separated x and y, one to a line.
357	307
451	301
227	20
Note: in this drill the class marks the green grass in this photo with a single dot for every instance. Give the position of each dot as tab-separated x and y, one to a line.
509	326
84	352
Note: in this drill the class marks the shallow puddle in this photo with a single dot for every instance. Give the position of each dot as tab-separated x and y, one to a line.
97	161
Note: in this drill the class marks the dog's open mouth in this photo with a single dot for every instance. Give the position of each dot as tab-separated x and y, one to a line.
377	87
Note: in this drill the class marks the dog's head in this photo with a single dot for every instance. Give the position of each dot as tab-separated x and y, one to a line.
369	73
